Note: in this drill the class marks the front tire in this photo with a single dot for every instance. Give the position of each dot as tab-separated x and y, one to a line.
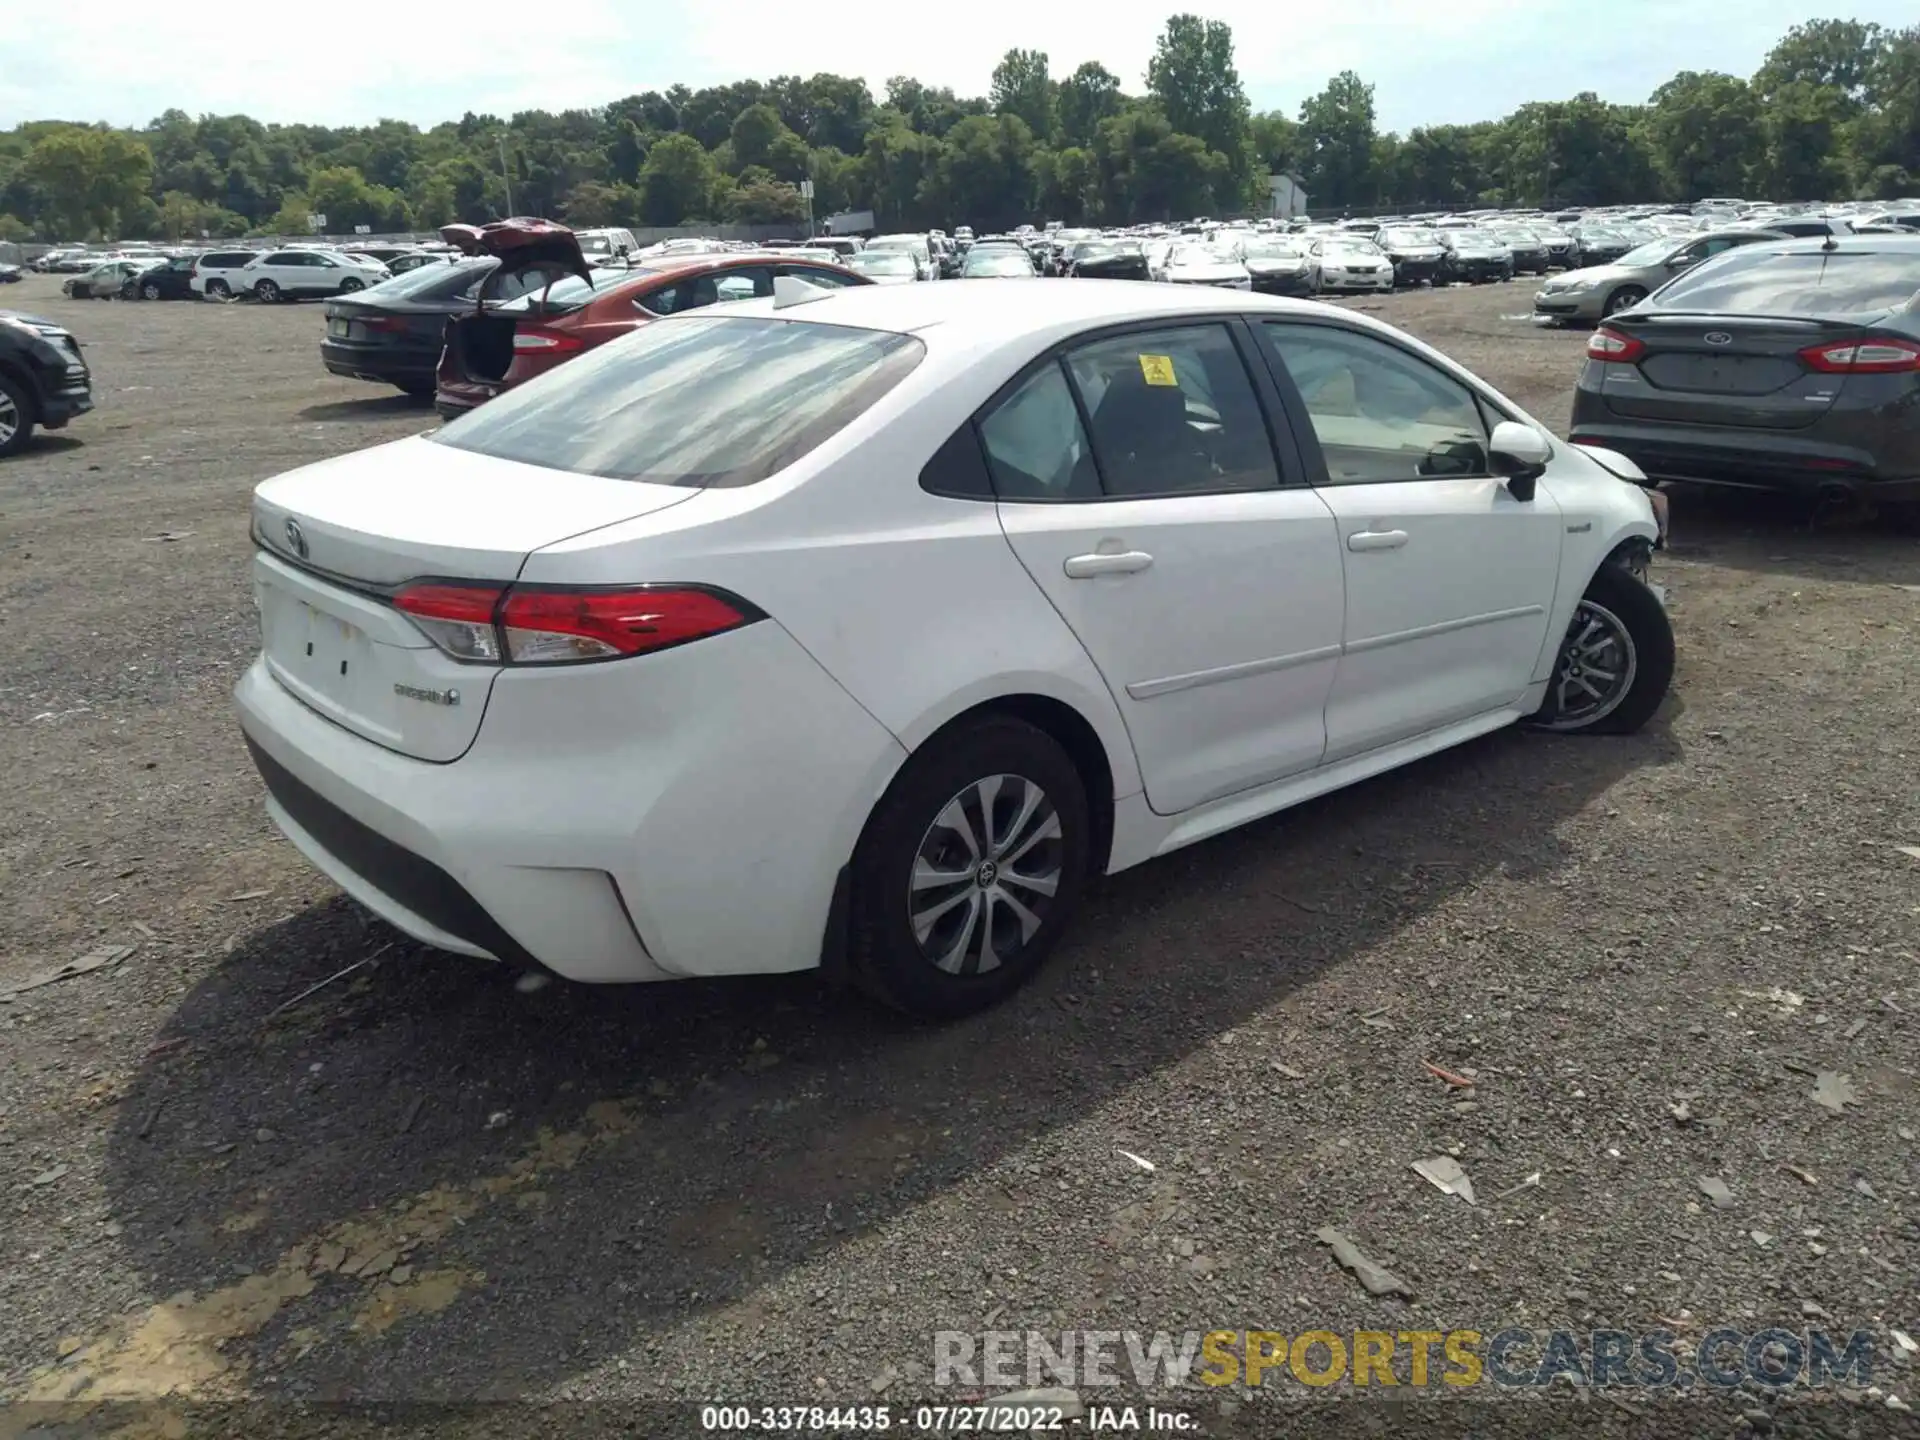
1615	662
1624	298
16	416
149	292
349	285
266	292
969	870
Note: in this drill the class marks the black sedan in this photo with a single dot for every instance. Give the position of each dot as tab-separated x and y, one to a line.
1789	365
391	333
1529	250
1107	260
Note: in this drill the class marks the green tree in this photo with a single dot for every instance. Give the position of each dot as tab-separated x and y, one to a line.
1828	54
1704	128
594	202
767	202
1087	96
755	129
89	178
1192	75
676	182
1021	87
984	172
1337	129
1803	158
1886	137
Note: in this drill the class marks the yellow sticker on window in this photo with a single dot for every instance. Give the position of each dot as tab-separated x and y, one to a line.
1158	370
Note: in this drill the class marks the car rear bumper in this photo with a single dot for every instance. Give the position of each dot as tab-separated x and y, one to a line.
641	820
386	364
1777	460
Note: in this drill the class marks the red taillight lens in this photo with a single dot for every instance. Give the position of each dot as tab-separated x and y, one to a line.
457	618
1863	357
1607	343
541	626
535	341
380	324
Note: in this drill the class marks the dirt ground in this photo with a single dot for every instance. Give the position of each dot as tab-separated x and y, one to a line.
418	1183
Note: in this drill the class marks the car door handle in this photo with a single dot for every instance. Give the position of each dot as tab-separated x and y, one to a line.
1127	562
1376	539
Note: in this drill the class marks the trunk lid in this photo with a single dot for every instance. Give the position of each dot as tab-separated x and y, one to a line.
336	538
1741	370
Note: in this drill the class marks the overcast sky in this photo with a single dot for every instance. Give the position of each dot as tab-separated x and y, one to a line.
1430	61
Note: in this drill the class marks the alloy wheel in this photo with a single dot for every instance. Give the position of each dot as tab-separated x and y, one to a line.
985	875
9	419
1598	665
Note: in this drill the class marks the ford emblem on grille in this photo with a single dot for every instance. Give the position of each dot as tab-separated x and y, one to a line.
297	539
1717	337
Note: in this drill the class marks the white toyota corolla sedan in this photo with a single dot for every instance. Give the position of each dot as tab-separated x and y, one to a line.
858	628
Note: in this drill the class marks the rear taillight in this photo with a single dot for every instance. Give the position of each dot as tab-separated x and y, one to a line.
380	324
1862	357
551	625
1607	343
457	618
535	341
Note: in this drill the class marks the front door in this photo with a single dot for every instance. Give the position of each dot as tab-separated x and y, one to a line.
1204	585
1449	578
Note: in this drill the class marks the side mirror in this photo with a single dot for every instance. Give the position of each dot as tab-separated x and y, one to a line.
1520	453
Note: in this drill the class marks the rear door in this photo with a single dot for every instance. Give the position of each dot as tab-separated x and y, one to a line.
1138	484
1449	578
1738	370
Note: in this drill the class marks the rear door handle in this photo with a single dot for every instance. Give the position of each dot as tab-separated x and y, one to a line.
1127	562
1376	539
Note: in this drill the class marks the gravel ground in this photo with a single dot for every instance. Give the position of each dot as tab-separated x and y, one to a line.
1642	953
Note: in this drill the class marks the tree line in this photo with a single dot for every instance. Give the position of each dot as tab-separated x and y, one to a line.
1834	111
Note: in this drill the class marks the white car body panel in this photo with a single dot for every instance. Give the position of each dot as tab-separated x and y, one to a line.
691	811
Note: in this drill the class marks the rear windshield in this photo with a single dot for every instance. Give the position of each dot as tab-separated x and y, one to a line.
432	282
1759	280
699	400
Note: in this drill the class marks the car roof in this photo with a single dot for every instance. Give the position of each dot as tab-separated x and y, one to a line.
1005	310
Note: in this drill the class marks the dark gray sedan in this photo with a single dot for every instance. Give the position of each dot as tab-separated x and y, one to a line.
1782	365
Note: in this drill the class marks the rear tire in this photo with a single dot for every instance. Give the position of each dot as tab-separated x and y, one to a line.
17	416
219	289
1615	663
418	389
996	805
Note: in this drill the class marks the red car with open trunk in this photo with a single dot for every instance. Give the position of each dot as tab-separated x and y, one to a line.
545	303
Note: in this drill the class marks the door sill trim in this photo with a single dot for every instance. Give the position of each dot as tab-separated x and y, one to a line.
1219	816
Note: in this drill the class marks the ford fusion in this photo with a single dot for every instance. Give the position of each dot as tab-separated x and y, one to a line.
653	666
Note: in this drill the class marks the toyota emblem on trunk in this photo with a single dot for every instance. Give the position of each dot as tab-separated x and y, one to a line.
296	539
1714	337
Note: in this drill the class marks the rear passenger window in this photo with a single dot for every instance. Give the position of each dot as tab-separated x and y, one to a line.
1379	413
958	468
1035	447
1173	412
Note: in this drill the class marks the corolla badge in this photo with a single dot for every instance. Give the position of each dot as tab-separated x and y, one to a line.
296	538
1717	337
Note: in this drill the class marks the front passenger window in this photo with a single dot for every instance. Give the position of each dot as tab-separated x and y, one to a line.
1379	413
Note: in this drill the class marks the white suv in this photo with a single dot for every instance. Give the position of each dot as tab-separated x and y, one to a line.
289	274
